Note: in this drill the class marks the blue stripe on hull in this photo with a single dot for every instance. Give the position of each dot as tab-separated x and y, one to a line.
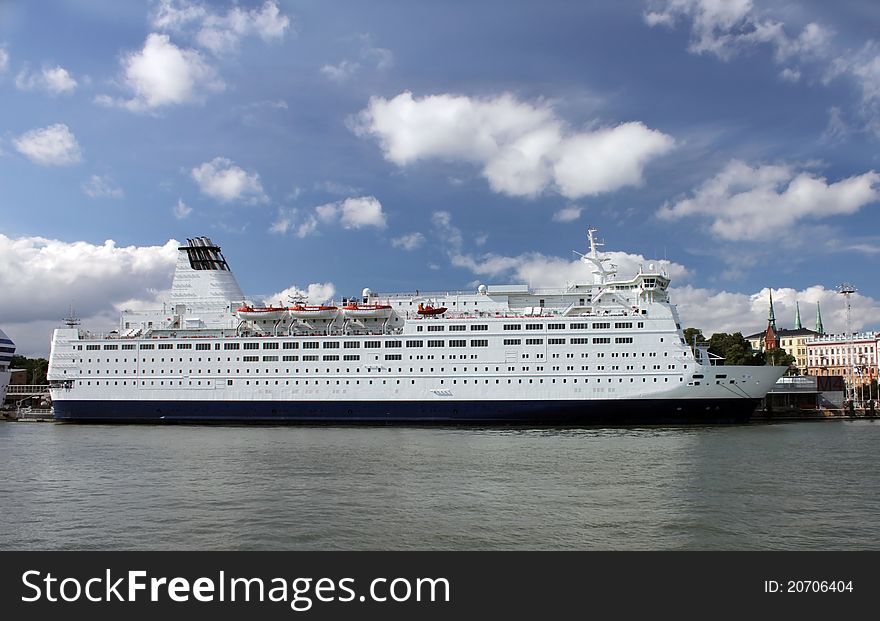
641	411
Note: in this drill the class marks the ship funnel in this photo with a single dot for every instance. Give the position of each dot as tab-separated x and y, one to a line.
202	278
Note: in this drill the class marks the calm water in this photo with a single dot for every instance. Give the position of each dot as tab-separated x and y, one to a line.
785	486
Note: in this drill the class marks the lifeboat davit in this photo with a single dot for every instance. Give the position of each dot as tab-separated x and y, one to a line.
267	313
301	311
430	310
367	311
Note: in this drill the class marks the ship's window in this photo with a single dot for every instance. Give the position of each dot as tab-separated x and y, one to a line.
512	326
393	343
479	343
457	328
331	344
310	345
533	326
270	345
457	343
436	328
290	345
415	343
556	326
230	345
479	327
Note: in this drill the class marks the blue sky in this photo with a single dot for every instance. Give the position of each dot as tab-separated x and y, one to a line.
404	145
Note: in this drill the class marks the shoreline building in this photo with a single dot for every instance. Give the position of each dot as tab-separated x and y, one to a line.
792	341
853	356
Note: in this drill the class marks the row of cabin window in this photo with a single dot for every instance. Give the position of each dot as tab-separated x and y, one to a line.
353	344
476	369
586	380
311	358
388	344
357	356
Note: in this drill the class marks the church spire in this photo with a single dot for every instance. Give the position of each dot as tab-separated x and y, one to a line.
771	319
819	328
771	340
797	317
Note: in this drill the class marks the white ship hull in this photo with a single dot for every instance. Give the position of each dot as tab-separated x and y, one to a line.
609	352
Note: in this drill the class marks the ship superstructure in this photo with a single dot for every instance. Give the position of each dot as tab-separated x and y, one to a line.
7	350
605	350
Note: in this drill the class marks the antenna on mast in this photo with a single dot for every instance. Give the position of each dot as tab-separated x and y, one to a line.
71	321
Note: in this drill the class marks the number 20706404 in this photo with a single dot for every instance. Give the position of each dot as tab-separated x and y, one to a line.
808	586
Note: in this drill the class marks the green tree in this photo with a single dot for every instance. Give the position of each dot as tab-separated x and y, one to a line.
693	333
778	357
734	348
37	368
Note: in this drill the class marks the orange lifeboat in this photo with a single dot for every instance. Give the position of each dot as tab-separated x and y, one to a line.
367	311
301	311
430	310
267	313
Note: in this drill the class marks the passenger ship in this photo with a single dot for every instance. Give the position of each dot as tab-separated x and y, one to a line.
605	351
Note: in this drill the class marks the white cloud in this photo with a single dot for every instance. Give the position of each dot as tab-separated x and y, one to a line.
725	27
351	213
221	33
540	270
222	179
762	202
54	145
523	149
790	75
162	74
723	311
181	209
534	268
315	293
568	214
41	276
102	187
370	55
837	128
307	226
863	67
283	222
409	242
176	15
4	60
341	71
362	211
54	80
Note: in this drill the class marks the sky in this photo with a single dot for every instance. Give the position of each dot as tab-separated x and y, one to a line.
329	146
